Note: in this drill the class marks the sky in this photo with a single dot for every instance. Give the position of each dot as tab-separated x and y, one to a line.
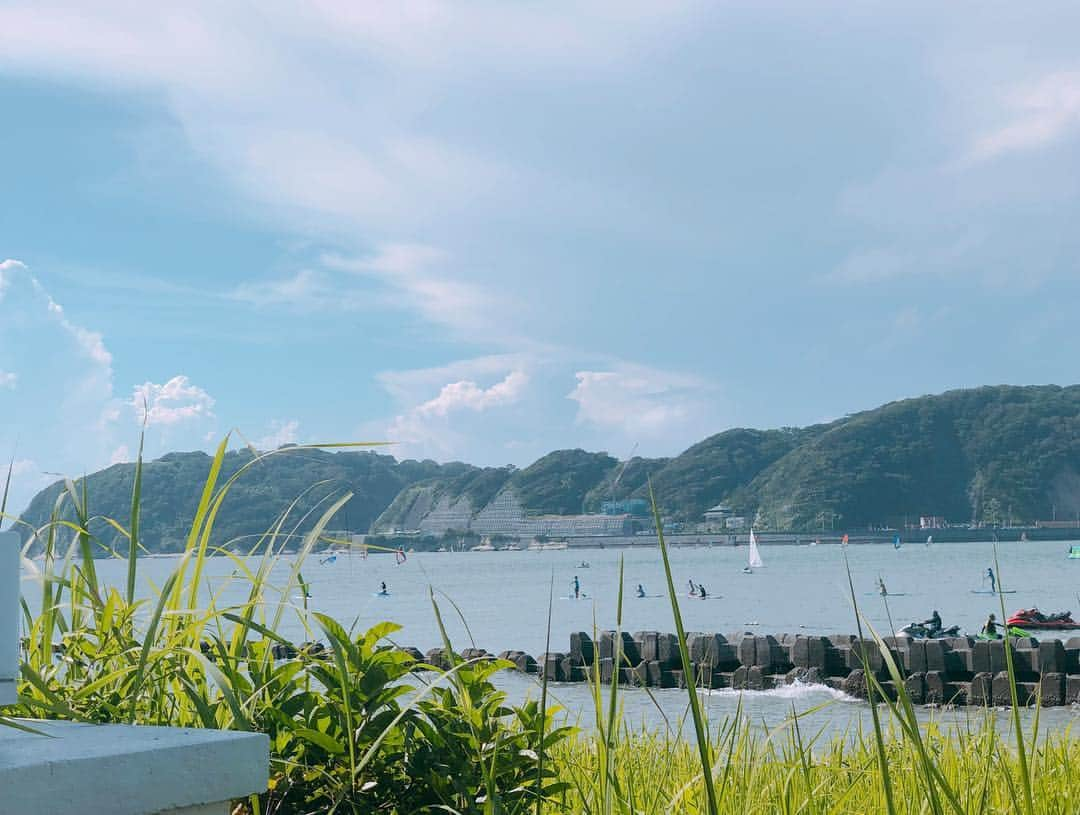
483	231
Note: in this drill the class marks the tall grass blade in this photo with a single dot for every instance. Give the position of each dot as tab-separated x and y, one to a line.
133	535
704	747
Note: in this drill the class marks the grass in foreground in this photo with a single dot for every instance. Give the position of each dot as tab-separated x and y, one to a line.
363	728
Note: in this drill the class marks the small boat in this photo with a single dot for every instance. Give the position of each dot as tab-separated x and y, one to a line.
547	546
755	555
583	565
1032	618
485	546
1074	552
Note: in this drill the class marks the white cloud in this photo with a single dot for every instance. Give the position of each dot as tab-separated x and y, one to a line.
639	401
174	402
466	395
281	432
7	269
91	343
420	281
8	379
22	466
1043	113
307	290
121	455
431	426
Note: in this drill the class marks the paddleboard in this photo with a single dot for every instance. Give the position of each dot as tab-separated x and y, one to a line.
987	591
648	596
890	594
380	594
582	597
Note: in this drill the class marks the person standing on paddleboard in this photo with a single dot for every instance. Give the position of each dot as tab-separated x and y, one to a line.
577	588
991	578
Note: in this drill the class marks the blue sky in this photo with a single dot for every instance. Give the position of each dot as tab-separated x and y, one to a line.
487	230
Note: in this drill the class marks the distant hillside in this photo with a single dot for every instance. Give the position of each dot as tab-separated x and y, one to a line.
966	455
173	484
987	454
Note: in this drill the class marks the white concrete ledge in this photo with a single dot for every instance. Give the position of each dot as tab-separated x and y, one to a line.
123	770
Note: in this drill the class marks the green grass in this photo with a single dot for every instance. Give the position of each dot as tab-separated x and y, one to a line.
364	728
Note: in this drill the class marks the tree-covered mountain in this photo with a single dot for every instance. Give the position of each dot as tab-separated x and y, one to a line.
978	455
172	486
988	454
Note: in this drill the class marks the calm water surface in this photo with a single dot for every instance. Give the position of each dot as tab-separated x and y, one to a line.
503	603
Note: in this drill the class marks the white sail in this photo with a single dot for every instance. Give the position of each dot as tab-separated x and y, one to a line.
755	555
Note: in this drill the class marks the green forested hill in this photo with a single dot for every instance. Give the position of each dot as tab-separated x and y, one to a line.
173	484
985	454
965	455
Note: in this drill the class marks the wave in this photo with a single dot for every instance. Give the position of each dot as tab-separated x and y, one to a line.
796	690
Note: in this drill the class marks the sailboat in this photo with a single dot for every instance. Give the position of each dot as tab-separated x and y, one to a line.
755	555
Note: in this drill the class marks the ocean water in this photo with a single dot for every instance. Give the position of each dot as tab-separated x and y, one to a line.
500	600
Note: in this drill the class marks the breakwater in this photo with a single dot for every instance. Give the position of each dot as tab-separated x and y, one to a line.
947	671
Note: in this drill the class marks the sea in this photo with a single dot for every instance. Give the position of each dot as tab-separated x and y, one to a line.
502	600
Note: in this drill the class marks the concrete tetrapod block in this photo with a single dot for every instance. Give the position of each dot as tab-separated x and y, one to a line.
935	655
1072	659
757	679
648	644
770	655
740	678
525	663
126	770
607	669
810	652
1052	657
988	656
939	690
807	676
915	685
855	684
582	647
958	663
868	650
1026	657
551	667
1072	690
981	689
1026	692
915	657
667	647
438	658
1052	689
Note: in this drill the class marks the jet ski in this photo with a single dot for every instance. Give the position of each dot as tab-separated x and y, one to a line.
1029	618
918	631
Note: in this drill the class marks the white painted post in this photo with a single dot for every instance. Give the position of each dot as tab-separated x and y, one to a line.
9	616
